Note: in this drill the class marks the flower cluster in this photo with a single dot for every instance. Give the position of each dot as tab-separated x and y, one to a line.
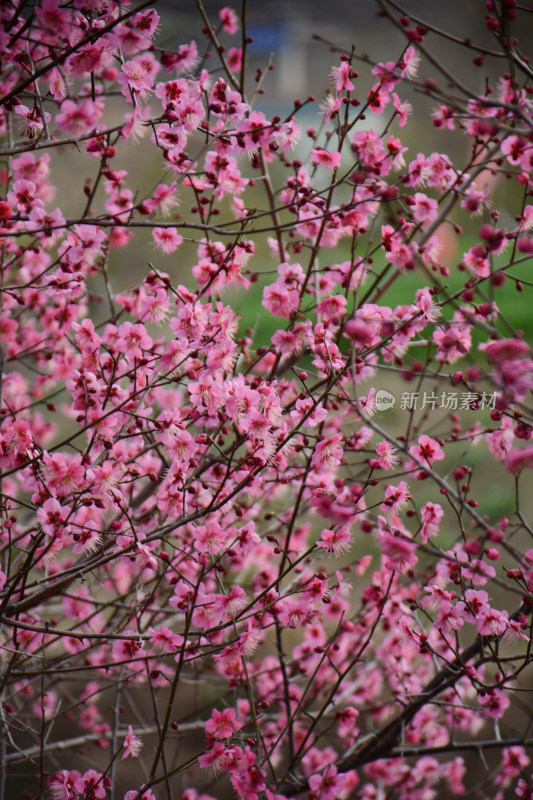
217	555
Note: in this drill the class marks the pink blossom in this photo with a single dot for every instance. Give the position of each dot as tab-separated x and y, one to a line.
326	158
453	342
54	18
398	550
427	450
222	724
328	453
133	794
443	117
132	744
341	75
133	339
371	150
331	784
476	201
491	622
477	261
164	640
136	123
280	300
505	350
234	59
425	209
330	106
360	332
431	514
402	109
167	239
518	460
91	784
387	75
501	441
410	63
33	120
230	21
217	758
387	456
23	195
78	119
335	541
494	702
52	516
332	308
62	784
396	497
449	617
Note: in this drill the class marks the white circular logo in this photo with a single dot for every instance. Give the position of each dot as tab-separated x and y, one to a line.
384	400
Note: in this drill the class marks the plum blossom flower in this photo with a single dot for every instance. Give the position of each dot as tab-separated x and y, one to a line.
330	106
335	541
388	458
163	640
136	123
229	19
427	450
330	784
78	119
387	75
222	724
477	261
370	148
500	442
52	516
431	514
132	744
32	119
453	342
410	63
326	158
495	702
217	758
449	617
520	459
425	209
133	340
62	785
396	497
234	58
492	622
396	546
135	80
443	117
167	239
341	75
476	200
505	350
328	453
53	18
91	784
280	300
403	109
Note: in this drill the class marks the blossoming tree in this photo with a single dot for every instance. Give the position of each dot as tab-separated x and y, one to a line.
228	567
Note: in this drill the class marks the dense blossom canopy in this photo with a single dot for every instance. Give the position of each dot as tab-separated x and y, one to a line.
246	564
